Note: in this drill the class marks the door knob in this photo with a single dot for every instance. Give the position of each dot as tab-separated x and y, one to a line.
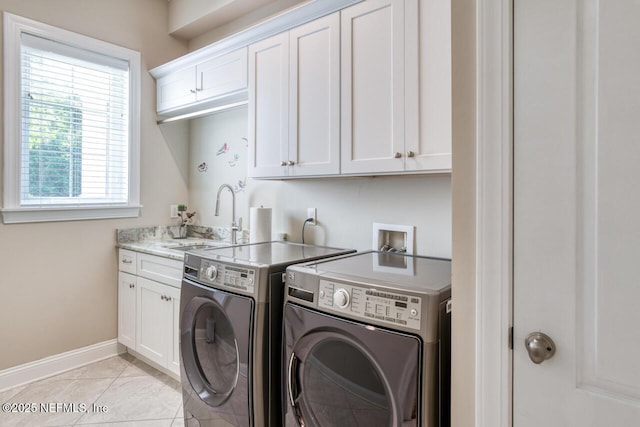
540	347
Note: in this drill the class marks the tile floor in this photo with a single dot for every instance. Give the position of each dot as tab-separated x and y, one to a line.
130	392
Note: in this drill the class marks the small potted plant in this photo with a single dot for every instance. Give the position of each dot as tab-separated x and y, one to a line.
186	218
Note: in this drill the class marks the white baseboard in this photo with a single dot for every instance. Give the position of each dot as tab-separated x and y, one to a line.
57	364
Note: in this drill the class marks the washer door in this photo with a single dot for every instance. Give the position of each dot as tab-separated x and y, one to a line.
342	373
215	333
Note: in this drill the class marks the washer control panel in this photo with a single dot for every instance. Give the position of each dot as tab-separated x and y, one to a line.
233	277
387	307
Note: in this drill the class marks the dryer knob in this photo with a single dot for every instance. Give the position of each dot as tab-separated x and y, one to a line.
211	272
341	298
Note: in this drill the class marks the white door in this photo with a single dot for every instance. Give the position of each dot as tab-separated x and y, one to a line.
577	211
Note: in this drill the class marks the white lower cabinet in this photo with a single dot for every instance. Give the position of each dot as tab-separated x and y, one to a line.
149	309
157	320
127	284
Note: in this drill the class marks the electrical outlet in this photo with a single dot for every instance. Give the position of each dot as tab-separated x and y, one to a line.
312	213
173	211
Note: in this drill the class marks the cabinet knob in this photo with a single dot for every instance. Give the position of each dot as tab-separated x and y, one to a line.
131	286
411	154
283	163
167	298
398	155
291	163
162	297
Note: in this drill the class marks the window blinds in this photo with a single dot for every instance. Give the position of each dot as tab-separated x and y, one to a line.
74	125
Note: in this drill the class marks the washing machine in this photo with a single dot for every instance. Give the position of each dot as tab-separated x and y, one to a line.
367	342
230	331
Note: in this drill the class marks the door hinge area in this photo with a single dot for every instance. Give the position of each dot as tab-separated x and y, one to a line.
511	338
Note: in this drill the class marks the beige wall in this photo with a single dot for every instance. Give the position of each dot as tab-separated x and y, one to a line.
464	214
58	280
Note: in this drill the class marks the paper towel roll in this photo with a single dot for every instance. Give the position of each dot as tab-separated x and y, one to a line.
259	225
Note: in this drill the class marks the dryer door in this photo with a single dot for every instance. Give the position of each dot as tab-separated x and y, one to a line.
215	344
343	373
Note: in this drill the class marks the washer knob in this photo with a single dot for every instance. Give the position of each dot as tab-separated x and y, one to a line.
341	298
211	272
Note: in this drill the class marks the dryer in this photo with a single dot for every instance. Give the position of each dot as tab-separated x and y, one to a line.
230	331
367	342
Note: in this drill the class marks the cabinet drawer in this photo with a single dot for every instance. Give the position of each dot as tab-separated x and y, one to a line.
163	270
127	261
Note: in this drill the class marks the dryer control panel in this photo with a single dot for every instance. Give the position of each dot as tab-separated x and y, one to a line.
222	275
368	303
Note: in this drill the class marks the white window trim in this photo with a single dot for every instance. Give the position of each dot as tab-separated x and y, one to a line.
12	212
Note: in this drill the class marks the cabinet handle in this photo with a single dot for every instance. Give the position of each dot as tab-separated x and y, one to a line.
127	261
410	154
283	163
291	163
398	155
192	90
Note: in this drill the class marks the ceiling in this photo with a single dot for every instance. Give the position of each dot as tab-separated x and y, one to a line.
191	18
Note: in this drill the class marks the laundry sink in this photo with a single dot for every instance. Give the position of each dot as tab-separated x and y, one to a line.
193	246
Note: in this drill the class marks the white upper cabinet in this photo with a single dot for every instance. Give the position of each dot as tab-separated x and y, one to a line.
428	82
373	87
212	79
396	87
294	102
314	98
222	75
269	107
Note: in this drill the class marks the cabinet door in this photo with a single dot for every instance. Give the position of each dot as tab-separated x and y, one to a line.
127	309
222	75
173	352
176	89
372	75
153	332
269	106
314	94
428	85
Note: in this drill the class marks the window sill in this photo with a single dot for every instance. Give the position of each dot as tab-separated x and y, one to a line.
24	215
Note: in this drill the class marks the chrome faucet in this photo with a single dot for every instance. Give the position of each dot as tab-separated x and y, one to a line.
234	227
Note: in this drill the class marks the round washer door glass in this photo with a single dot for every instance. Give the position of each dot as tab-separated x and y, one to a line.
210	351
342	386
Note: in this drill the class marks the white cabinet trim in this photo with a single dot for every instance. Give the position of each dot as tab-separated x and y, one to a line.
292	18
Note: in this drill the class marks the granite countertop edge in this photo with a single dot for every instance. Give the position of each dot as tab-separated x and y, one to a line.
162	241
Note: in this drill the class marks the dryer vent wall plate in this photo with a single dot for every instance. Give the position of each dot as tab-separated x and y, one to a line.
393	238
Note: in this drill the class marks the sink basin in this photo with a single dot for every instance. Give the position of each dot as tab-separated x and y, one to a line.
207	245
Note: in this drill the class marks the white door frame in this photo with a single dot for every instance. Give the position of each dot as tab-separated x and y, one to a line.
494	148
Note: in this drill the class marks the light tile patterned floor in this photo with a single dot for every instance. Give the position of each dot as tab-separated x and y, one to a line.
120	391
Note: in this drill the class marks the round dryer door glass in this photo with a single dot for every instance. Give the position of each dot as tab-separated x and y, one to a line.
343	387
210	353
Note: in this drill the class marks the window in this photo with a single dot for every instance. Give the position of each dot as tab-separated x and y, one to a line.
71	125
